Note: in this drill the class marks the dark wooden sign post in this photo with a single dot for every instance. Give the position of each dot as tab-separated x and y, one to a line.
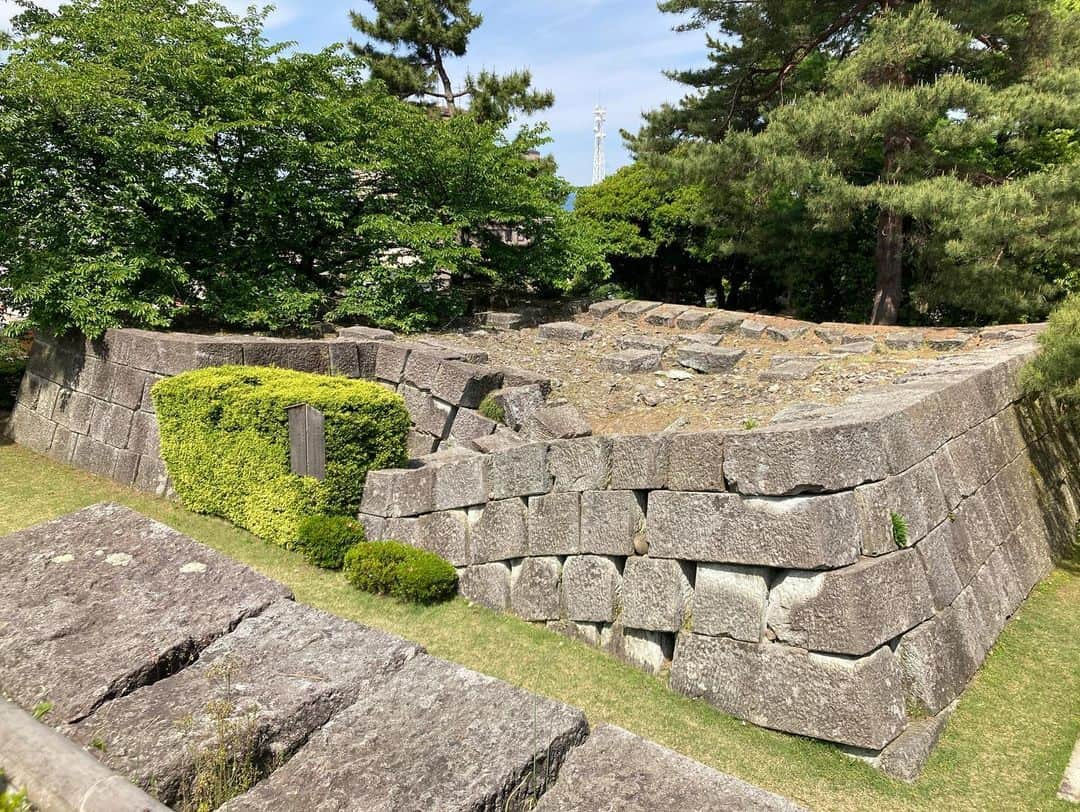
307	441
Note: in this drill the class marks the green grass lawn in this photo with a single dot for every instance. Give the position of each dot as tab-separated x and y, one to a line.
1005	748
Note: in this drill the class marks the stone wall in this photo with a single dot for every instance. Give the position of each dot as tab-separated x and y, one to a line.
759	568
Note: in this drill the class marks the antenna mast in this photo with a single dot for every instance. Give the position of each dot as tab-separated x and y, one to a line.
599	166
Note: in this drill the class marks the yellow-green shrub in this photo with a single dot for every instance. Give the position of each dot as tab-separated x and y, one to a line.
225	441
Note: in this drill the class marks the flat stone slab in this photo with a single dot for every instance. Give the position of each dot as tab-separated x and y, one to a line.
615	769
630	361
285	673
433	736
97	603
569	331
705	358
1070	784
793	370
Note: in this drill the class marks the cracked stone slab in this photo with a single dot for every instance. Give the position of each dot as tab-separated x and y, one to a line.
102	601
433	736
615	769
285	673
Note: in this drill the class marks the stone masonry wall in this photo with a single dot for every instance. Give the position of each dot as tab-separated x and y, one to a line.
760	566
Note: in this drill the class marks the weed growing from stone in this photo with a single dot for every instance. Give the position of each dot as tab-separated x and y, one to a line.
492	409
42	709
749	424
899	529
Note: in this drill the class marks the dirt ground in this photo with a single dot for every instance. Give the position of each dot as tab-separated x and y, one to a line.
651	401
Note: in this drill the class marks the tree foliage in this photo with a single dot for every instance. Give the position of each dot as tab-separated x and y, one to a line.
161	162
1056	370
409	45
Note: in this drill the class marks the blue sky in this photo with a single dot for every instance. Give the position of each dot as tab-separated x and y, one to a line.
586	51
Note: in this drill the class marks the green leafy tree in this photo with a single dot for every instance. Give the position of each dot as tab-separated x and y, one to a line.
1056	370
409	45
945	130
162	163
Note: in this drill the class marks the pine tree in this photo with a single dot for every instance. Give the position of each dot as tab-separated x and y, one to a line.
411	42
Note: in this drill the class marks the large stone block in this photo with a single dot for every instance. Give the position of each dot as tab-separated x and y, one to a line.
808	532
366	334
936	553
696	461
132	607
631	361
73	410
859	702
94	456
30	429
631	311
127	388
459	479
151	475
421	365
601	310
465	384
581	464
554	524
111	424
692	318
497	531
639	462
656	594
446	534
555	423
396	492
469	424
519	403
708	359
487	585
518	471
534	588
648	650
390	359
306	356
664	316
427	414
611	521
565	331
730	601
591	586
723	321
432	736
852	610
595	776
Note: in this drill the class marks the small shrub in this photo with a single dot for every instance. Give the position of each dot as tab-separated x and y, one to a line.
492	409
750	423
899	529
324	540
406	573
1056	370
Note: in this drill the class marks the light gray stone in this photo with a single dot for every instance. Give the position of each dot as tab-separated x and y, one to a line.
469	424
580	464
97	602
907	754
752	328
793	370
127	387
446	534
418	444
629	362
852	610
459	479
152	476
517	471
666	315
365	333
639	462
73	410
638	342
555	423
809	532
948	343
516	376
631	311
590	589
907	340
610	522
111	424
396	492
692	318
703	358
656	595
554	524
935	553
723	321
595	776
730	601
855	348
648	650
305	356
93	456
432	736
601	310
587	633
487	585
534	588
421	365
465	384
145	437
696	461
428	415
787	331
565	331
859	702
407	531
519	403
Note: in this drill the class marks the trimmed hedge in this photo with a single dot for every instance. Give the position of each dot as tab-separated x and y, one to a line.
406	573
324	540
225	441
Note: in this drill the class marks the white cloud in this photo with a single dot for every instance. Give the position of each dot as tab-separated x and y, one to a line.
283	13
8	10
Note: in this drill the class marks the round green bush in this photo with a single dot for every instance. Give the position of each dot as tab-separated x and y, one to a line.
406	573
324	540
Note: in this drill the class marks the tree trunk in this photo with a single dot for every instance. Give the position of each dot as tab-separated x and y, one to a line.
448	88
889	259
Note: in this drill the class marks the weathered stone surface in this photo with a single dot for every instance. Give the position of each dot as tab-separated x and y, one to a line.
787	331
73	410
518	471
396	492
851	610
692	318
587	633
97	603
639	462
907	754
707	359
648	650
948	343
601	310
631	311
502	321
433	736
519	403
656	594
810	532
469	424
344	359
516	376
487	585
857	702
907	340
390	358
93	456
628	362
752	328
580	464
556	423
127	387
502	439
664	316
418	444
935	553
421	365
611	521
554	524
794	370
723	321
459	478
306	356
596	776
696	461
565	331
286	672
427	414
111	424
144	437
730	601
855	348
465	384
1070	782
366	333
152	476
590	588
534	588
446	534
